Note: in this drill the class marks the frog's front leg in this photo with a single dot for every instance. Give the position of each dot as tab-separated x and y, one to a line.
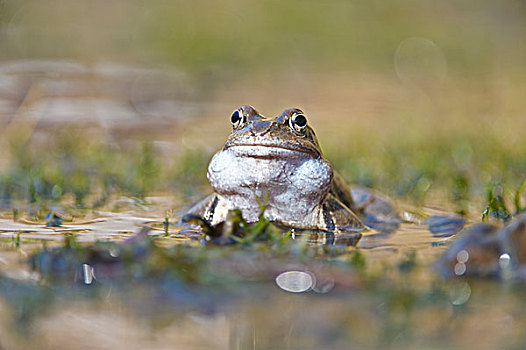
336	217
207	209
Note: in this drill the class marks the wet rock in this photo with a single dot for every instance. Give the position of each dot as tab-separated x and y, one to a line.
445	225
488	251
376	210
513	241
476	252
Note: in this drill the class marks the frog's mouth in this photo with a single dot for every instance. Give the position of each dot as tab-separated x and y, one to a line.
269	151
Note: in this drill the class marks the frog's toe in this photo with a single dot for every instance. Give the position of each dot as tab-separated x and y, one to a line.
336	217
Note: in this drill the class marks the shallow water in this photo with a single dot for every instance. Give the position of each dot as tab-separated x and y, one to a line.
388	296
384	293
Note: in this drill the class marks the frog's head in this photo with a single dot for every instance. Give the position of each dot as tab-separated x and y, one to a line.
278	159
287	135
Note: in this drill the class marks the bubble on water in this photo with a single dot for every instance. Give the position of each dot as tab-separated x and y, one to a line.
295	281
419	60
462	256
460	269
459	293
504	261
114	252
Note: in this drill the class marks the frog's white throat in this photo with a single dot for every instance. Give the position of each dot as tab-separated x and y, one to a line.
293	183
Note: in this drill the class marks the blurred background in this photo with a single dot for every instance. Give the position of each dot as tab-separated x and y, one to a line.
118	106
421	99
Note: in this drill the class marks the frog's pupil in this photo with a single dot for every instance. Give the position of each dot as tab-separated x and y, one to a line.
235	117
300	120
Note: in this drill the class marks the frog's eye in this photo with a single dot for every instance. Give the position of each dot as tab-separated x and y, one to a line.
237	118
298	122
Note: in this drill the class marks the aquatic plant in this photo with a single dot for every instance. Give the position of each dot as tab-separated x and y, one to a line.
497	199
518	195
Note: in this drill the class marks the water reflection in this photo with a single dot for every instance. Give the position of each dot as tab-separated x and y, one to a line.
164	284
323	284
327	238
459	293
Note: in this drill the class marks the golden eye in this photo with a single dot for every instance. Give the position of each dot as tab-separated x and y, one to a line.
298	122
237	118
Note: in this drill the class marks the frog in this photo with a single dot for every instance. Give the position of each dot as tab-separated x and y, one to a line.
278	163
